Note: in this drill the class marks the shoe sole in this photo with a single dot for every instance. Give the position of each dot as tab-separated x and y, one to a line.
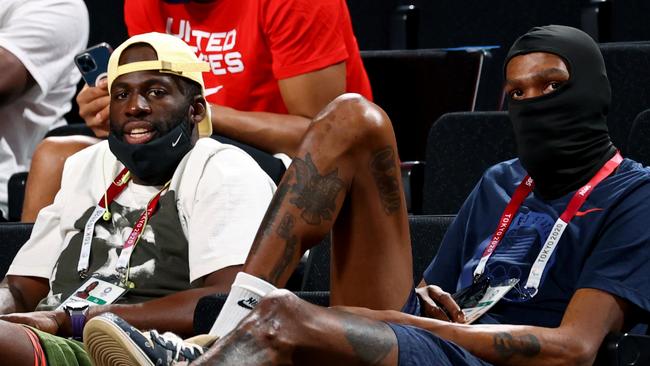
108	345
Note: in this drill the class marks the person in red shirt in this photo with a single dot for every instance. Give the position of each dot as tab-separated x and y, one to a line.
274	65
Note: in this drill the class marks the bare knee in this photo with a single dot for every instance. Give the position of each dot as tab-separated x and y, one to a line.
46	169
352	118
55	150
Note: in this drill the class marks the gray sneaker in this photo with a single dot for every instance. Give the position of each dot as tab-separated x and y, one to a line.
110	341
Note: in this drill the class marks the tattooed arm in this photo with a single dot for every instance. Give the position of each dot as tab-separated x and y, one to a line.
591	314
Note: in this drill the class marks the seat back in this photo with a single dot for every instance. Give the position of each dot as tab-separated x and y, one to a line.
371	20
426	235
415	87
12	237
16	195
638	146
629	78
460	147
626	20
454	23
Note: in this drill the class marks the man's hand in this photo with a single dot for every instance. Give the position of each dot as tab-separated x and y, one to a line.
93	107
438	304
52	322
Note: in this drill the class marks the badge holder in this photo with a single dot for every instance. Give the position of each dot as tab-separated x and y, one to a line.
96	291
472	294
481	296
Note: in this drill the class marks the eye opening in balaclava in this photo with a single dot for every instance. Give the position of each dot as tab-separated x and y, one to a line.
562	137
557	91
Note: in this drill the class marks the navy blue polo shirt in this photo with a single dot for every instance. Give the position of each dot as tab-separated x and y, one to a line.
606	246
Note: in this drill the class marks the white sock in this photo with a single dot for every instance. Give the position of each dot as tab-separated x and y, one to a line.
245	294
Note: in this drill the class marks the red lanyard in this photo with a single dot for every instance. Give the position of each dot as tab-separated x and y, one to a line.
522	191
115	189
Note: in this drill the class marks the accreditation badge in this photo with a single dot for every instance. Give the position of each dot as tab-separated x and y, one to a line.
491	296
96	291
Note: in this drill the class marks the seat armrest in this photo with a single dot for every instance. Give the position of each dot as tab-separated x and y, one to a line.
624	349
16	195
209	307
413	181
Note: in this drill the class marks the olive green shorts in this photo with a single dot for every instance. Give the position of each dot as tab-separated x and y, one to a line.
61	351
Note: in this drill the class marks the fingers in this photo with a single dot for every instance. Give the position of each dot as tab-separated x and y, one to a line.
429	307
434	311
439	304
93	105
447	302
100	124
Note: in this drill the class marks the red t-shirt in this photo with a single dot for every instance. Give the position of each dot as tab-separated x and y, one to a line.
251	44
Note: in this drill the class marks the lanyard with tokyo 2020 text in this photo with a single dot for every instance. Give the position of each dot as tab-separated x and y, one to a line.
518	197
117	186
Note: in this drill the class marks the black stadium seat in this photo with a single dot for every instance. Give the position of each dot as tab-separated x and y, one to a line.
459	23
415	87
454	23
460	147
16	195
626	20
629	76
12	237
638	145
426	234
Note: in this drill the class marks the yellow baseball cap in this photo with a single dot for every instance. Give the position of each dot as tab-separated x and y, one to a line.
174	57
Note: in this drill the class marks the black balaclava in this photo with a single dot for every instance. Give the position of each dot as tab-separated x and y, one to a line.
562	137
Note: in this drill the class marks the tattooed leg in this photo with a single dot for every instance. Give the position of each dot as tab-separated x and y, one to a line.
286	330
345	179
386	177
508	345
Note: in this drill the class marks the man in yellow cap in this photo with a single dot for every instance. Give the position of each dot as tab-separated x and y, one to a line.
154	218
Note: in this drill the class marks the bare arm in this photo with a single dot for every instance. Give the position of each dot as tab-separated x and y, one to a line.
173	313
15	80
591	314
304	95
20	293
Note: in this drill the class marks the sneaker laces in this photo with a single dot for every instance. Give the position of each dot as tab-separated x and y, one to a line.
176	344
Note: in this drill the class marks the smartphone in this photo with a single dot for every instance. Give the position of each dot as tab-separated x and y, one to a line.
93	62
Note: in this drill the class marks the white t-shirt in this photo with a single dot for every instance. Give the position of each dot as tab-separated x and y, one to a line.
220	196
44	35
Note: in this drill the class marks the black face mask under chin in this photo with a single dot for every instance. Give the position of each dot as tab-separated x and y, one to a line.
154	162
562	137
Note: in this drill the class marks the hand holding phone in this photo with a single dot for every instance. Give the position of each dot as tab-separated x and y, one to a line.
93	99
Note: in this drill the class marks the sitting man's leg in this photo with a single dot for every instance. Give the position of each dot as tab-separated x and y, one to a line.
345	178
284	329
24	346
